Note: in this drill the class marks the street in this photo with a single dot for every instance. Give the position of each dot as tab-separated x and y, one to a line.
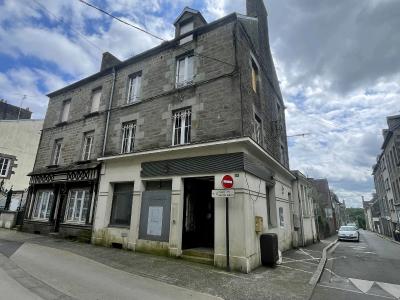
30	271
365	270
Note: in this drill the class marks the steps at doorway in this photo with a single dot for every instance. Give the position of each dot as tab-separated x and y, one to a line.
199	255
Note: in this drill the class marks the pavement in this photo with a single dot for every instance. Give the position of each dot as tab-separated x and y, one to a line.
41	267
368	270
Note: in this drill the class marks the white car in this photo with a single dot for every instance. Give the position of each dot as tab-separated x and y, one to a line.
349	233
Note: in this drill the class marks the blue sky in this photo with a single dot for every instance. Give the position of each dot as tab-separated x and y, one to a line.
337	62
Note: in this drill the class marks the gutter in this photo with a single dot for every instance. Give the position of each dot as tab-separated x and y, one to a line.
109	112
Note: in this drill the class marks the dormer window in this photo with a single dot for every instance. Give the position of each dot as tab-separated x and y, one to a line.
185	28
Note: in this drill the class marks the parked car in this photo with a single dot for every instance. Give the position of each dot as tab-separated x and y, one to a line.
349	233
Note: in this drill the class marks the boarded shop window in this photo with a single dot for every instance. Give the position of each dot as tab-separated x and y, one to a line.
122	204
281	217
182	125
43	204
128	137
78	203
4	166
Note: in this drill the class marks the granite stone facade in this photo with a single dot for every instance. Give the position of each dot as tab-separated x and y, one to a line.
222	101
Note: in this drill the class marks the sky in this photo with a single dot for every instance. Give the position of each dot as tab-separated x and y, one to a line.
337	62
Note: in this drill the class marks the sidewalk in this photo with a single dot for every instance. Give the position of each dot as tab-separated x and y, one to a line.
287	281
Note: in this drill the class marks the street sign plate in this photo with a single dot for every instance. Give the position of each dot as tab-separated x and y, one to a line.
222	193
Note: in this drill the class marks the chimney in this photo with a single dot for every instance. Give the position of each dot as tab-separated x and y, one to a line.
108	61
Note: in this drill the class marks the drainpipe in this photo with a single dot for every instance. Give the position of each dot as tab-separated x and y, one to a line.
109	112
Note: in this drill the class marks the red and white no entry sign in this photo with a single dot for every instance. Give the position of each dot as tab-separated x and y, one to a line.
227	182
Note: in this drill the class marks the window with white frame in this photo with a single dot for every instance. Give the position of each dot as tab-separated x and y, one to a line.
184	71
4	166
65	111
182	120
87	145
77	207
281	217
95	103
57	152
43	204
128	137
257	129
134	85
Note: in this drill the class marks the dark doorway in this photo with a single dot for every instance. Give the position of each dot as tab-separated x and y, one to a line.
198	213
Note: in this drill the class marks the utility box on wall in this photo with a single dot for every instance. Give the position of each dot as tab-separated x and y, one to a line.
259	224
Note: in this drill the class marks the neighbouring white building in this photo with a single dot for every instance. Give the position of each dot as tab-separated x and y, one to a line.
305	231
19	140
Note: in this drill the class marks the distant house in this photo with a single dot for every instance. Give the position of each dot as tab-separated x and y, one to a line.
386	174
305	226
12	112
326	215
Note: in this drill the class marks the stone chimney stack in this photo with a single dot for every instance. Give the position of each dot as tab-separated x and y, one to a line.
108	61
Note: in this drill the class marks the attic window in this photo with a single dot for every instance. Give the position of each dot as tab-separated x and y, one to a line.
185	28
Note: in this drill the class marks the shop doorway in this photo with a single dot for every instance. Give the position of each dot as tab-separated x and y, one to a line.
198	213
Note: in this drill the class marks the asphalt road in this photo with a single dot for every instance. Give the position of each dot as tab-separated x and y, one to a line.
31	271
367	270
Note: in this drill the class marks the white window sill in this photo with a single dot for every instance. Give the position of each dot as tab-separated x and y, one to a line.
74	223
40	220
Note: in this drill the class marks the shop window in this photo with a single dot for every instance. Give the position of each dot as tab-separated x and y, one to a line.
43	205
182	125
122	204
77	207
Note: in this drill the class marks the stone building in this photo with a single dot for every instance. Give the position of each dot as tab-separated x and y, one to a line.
12	112
326	215
386	174
305	230
132	153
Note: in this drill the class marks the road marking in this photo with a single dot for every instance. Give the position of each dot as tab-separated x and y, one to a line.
301	250
355	292
295	269
392	289
362	285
